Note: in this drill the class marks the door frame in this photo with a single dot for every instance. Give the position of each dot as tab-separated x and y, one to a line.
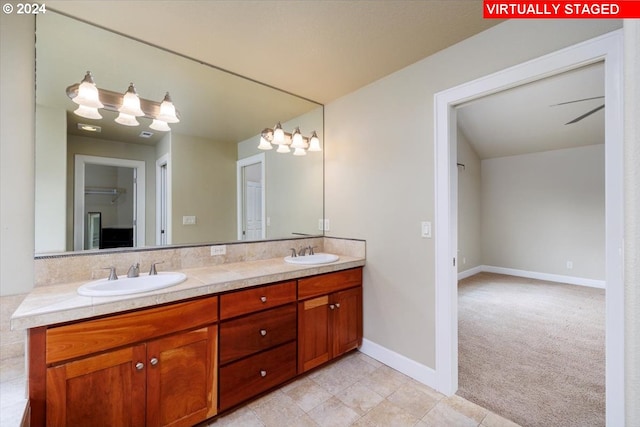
163	204
78	196
240	165
607	48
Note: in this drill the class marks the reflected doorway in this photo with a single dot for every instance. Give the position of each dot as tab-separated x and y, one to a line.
114	189
251	198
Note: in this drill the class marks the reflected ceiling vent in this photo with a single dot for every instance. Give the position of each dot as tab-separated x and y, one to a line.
146	134
89	128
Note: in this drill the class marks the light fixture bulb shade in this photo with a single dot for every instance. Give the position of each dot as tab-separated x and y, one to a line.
314	142
88	112
126	120
168	111
299	152
264	144
296	139
131	103
159	125
88	94
283	148
278	135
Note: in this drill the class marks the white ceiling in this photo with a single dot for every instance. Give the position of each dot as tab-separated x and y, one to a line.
527	119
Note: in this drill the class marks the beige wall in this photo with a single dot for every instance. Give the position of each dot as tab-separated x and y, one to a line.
469	206
207	170
51	181
379	171
544	209
17	122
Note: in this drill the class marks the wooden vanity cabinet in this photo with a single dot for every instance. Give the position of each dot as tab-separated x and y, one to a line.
257	341
329	317
154	367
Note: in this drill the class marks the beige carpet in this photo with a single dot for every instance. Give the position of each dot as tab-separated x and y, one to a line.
532	351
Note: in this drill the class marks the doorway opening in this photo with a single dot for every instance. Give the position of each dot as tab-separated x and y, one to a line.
607	48
112	190
252	221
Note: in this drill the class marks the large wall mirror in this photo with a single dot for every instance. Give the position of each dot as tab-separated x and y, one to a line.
204	181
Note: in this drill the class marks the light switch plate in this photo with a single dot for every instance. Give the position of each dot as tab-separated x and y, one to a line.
188	220
426	229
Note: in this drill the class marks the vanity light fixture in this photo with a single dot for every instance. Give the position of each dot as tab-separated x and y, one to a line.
130	108
285	141
129	105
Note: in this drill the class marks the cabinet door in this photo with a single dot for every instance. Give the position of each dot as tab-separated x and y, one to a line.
313	333
346	318
104	390
181	378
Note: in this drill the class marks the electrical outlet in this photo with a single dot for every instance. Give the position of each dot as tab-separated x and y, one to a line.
218	250
189	220
323	224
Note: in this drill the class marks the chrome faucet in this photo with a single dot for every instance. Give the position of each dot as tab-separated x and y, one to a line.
134	270
302	252
293	253
153	271
112	273
311	252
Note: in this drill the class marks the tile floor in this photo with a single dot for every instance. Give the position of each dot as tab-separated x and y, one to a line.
359	391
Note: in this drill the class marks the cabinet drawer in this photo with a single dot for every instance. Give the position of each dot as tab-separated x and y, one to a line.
326	283
92	336
260	331
256	299
249	377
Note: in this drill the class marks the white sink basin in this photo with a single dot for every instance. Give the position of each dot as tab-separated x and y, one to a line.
319	258
131	285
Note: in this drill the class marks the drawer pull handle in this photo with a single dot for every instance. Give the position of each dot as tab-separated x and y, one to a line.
263	299
139	366
263	373
263	332
153	361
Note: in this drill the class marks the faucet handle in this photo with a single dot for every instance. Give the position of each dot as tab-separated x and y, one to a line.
153	271
112	273
293	252
311	250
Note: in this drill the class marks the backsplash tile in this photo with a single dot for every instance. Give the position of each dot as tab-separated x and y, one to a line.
88	266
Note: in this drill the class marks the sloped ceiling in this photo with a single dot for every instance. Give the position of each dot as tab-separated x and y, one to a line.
528	119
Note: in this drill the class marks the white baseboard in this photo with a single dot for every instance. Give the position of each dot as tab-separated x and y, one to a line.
470	272
411	368
592	283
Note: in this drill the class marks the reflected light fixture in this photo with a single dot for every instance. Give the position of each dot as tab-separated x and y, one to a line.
87	98
285	141
129	105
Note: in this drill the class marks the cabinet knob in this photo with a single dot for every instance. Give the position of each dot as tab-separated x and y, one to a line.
332	306
263	299
263	373
337	305
263	332
153	361
139	366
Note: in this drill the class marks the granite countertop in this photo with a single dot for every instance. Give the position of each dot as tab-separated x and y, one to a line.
53	304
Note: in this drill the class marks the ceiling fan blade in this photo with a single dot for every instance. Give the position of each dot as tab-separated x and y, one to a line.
587	114
577	100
